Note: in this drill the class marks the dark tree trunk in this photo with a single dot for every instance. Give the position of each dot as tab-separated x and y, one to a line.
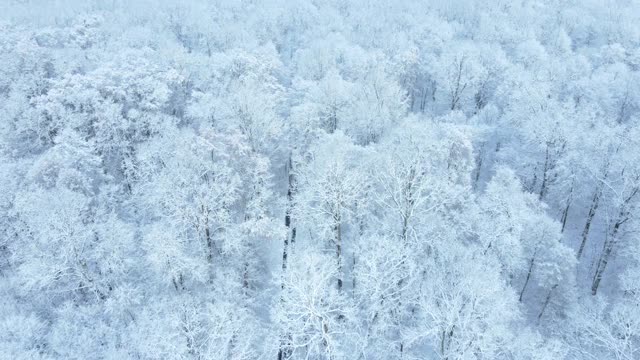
602	263
545	174
565	213
546	301
207	234
479	165
337	233
526	281
285	352
456	93
592	212
290	238
609	245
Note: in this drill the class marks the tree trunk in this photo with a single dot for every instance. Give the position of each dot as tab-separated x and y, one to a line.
245	278
285	352
290	238
479	165
333	119
545	174
325	334
608	247
526	281
207	234
353	277
610	243
592	212
457	93
565	213
546	301
337	233
602	265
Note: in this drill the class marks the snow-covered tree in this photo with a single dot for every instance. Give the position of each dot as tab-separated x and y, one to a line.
340	179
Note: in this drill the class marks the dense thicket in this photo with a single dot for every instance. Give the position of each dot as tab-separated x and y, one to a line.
320	179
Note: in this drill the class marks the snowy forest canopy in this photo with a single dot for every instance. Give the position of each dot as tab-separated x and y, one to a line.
339	179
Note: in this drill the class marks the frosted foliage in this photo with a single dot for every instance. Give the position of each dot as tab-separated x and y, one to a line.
320	180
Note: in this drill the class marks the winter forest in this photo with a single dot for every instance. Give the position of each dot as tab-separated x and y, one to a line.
320	180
